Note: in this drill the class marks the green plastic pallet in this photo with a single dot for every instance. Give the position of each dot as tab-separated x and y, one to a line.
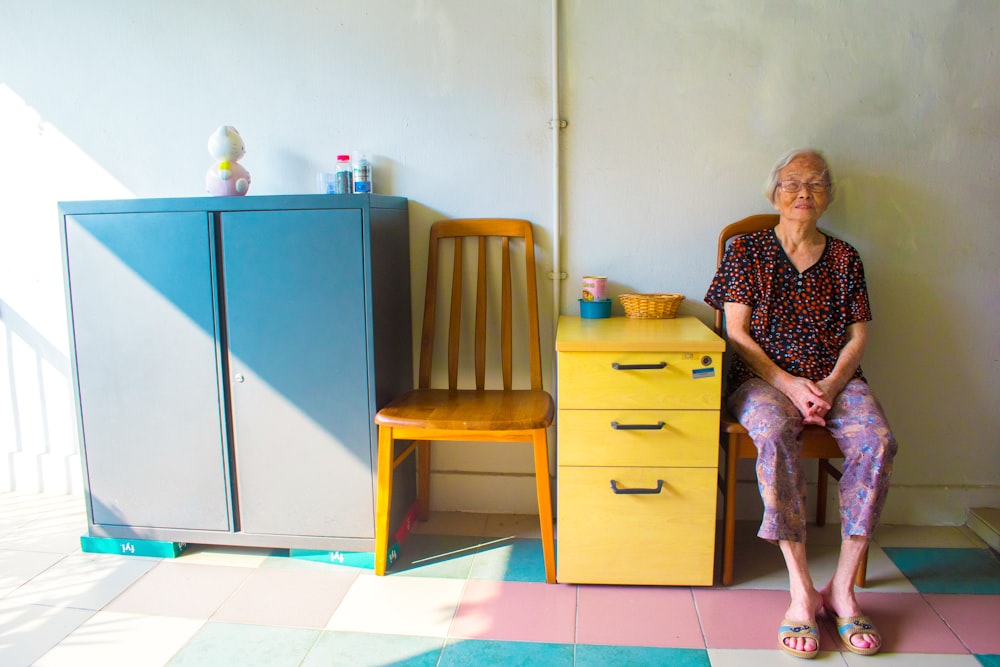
124	547
362	559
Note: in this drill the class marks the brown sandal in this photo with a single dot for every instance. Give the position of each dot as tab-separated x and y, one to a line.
858	625
793	629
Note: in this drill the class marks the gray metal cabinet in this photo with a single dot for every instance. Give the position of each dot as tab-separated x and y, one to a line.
229	355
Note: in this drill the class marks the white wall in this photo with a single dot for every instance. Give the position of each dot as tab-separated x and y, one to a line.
676	111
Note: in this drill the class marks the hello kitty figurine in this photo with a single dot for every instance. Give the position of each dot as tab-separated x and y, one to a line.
227	177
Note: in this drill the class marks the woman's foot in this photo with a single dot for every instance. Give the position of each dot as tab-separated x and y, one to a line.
855	626
846	607
802	612
795	634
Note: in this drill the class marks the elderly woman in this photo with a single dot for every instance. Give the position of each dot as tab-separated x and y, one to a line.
797	313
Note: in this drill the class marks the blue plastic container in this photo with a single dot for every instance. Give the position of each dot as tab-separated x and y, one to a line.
595	310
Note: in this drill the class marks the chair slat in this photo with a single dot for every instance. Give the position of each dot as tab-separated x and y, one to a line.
506	319
455	317
430	313
534	344
481	316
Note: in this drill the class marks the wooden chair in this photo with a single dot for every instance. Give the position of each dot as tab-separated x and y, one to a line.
470	414
817	443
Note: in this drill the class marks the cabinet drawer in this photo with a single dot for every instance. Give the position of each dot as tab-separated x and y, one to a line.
664	538
639	380
682	438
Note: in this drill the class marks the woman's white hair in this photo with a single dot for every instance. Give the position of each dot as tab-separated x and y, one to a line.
771	185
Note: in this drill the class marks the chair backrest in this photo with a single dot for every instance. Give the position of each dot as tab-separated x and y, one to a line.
483	232
753	223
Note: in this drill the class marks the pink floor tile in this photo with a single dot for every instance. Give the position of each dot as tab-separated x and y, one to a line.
181	589
638	616
516	611
294	598
907	623
746	619
974	618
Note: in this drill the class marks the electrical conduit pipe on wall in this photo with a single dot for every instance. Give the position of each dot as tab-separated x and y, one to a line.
556	124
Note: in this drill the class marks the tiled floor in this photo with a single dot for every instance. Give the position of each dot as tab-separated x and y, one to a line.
467	591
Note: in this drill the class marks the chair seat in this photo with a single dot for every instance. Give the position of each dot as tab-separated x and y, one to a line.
472	410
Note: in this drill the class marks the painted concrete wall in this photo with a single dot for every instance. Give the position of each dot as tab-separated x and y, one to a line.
676	110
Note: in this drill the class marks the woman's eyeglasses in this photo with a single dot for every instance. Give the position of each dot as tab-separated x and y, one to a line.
795	186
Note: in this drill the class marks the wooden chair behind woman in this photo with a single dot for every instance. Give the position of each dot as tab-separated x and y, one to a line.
472	414
817	443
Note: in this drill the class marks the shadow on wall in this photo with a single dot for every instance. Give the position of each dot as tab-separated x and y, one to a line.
39	453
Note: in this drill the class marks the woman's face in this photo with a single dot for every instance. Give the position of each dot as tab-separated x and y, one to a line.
804	205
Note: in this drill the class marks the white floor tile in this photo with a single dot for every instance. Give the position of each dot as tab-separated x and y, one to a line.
83	581
228	556
760	658
451	523
37	522
399	605
911	660
17	567
513	525
28	631
935	537
761	566
108	638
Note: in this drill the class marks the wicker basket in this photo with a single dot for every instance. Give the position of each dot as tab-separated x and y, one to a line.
651	306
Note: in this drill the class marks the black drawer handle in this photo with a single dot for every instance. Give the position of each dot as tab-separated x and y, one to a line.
658	426
658	489
638	367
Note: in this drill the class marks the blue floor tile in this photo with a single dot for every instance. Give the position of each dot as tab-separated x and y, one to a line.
442	556
362	649
462	557
519	559
245	645
462	653
989	660
950	571
640	656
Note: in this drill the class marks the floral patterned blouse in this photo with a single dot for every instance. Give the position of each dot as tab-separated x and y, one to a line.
799	319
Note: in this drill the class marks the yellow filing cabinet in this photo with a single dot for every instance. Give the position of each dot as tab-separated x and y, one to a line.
638	443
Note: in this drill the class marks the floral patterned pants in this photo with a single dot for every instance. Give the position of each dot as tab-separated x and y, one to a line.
859	426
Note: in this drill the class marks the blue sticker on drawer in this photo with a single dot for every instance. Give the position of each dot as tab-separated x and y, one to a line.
699	373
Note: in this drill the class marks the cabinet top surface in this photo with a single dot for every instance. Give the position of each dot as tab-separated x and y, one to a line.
615	334
247	203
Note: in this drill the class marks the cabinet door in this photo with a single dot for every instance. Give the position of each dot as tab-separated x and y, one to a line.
295	312
142	292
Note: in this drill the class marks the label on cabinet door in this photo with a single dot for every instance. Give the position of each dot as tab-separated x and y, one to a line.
699	373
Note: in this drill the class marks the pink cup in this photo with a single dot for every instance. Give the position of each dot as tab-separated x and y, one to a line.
594	288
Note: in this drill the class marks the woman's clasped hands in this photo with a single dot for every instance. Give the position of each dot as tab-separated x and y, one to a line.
809	398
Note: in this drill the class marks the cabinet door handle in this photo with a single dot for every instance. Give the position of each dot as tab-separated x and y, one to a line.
658	489
638	427
638	367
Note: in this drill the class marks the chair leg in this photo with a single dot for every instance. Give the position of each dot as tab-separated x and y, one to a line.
540	441
729	512
383	500
424	480
861	576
